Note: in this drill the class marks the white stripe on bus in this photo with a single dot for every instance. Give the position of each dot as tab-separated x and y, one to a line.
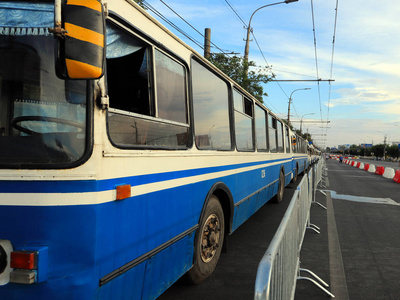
90	198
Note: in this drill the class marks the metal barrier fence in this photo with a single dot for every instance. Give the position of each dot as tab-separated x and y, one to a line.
279	268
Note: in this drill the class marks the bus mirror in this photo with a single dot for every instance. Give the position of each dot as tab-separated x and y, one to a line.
80	28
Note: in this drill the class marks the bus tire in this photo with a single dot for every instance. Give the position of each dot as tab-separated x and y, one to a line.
208	242
281	187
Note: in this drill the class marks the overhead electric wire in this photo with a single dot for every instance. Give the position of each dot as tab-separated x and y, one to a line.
200	44
222	51
156	12
333	51
236	13
316	57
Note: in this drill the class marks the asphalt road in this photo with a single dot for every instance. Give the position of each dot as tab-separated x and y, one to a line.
358	250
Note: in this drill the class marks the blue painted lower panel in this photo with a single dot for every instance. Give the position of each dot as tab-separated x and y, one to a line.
88	242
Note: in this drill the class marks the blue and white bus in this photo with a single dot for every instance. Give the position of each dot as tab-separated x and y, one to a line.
126	158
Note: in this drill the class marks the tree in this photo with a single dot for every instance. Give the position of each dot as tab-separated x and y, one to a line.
307	136
393	151
140	2
378	150
235	68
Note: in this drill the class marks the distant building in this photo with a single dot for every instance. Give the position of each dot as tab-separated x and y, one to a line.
344	147
366	145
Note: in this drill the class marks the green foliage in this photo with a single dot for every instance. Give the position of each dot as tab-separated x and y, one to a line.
392	151
140	2
375	150
306	136
235	67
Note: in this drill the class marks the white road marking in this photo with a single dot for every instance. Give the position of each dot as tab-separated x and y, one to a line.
387	201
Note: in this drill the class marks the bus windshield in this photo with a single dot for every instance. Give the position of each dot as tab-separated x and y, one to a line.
42	118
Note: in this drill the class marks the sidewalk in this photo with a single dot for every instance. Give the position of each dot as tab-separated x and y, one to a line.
314	254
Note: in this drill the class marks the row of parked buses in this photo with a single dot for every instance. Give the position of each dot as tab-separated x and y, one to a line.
126	161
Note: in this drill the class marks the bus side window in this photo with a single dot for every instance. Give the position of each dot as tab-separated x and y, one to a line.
211	109
287	140
272	133
280	136
148	94
171	89
261	129
243	122
128	82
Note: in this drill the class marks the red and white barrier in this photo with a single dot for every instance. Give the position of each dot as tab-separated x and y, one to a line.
389	173
380	170
372	168
396	177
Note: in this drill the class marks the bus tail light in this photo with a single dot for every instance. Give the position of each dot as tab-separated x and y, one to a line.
23	260
30	265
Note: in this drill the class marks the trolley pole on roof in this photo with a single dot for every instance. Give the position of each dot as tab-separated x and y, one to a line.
207	42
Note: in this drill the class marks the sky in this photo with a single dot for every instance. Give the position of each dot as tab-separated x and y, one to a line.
362	104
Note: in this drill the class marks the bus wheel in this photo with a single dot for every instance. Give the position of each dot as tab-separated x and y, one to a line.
208	243
279	196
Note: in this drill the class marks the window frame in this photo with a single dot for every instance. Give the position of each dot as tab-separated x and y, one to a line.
288	143
228	84
256	106
151	47
272	127
245	111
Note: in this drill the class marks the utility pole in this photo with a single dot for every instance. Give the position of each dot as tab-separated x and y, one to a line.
207	42
384	147
246	48
290	100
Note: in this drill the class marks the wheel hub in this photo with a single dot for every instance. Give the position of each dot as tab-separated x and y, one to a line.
210	237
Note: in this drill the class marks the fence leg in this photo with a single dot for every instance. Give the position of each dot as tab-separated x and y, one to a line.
314	227
316	202
315	282
322	183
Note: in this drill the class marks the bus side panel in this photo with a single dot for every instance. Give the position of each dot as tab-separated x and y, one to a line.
68	232
288	172
263	182
136	228
88	242
164	268
302	163
168	262
251	182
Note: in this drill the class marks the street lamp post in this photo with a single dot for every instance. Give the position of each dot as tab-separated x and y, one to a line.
301	120
290	100
246	49
384	144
